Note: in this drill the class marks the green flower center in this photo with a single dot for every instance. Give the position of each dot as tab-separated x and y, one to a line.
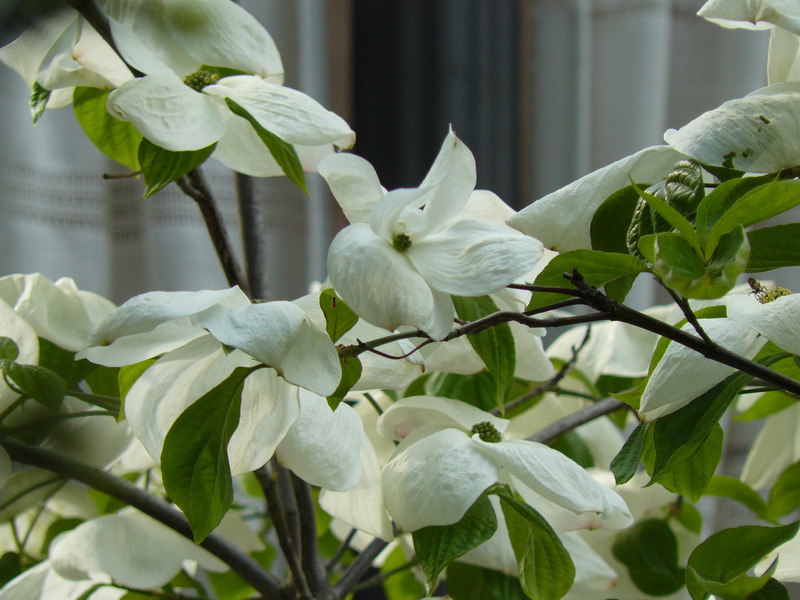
200	79
401	242
767	293
487	432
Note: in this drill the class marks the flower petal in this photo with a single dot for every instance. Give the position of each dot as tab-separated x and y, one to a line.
472	258
408	414
280	335
242	150
783	61
172	383
778	321
146	311
354	183
134	549
362	506
452	178
434	480
16	328
683	374
290	114
269	408
753	14
168	113
757	133
562	219
381	285
323	447
776	447
550	474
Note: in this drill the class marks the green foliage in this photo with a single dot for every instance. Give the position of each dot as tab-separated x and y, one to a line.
690	477
36	382
38	101
10	567
720	564
774	247
572	445
784	497
283	153
598	268
351	373
726	486
402	585
611	221
129	374
722	198
161	167
546	571
626	462
117	139
477	390
768	404
495	345
8	349
466	582
194	459
436	547
649	550
339	318
63	362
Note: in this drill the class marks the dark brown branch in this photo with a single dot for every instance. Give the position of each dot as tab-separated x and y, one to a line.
194	185
251	216
249	570
687	311
309	557
358	567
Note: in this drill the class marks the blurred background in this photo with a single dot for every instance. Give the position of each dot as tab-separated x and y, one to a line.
542	91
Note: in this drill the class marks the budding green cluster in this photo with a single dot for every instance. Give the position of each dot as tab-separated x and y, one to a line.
401	242
487	432
767	293
200	79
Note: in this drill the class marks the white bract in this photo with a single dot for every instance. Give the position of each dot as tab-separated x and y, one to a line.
180	107
562	219
445	462
408	250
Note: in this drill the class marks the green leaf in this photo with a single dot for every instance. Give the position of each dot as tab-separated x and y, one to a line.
494	345
129	374
57	527
690	477
598	268
575	448
546	570
726	486
104	381
10	567
773	590
8	349
466	582
477	390
679	435
687	515
403	585
38	101
728	555
649	549
283	152
37	382
194	459
725	195
757	205
784	497
351	373
119	140
339	318
611	220
676	219
63	362
626	462
161	167
437	547
774	247
768	404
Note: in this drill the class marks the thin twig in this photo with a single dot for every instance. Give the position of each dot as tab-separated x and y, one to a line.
687	311
337	556
276	513
195	186
381	577
355	571
570	422
248	569
309	557
251	226
552	383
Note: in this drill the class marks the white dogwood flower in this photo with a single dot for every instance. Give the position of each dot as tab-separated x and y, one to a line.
451	452
408	250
